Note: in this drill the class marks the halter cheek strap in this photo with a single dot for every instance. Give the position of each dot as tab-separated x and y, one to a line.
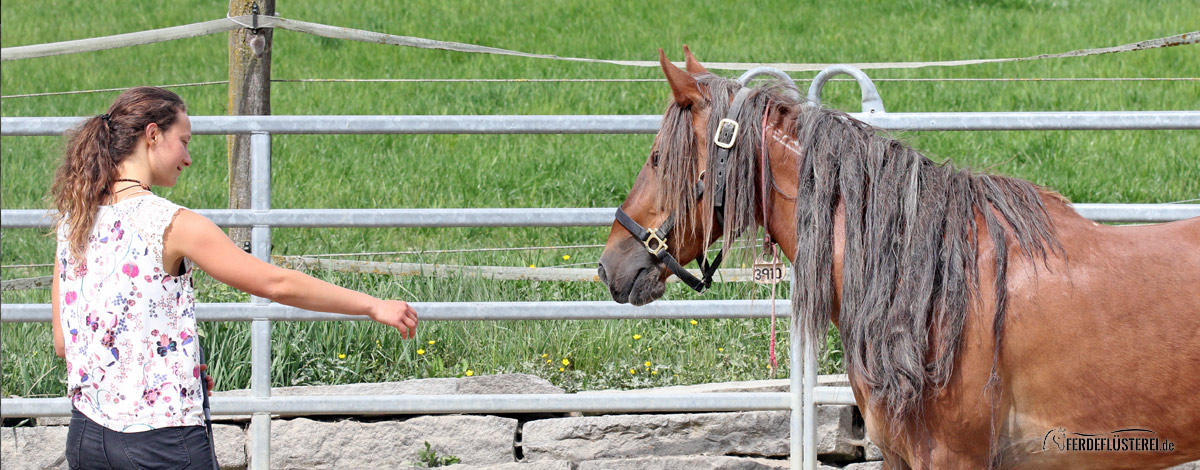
724	139
655	240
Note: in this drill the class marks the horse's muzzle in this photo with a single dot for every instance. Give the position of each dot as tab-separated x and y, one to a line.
631	274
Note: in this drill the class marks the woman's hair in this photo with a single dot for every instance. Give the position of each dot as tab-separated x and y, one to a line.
95	150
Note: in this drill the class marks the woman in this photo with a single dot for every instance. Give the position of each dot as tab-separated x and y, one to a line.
123	305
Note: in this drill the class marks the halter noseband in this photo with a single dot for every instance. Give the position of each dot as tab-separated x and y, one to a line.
655	240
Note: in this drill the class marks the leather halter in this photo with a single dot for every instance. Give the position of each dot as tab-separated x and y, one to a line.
655	240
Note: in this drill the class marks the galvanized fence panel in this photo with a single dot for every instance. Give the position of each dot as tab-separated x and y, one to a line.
260	312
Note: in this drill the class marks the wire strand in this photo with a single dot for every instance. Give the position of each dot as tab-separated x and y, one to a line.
607	80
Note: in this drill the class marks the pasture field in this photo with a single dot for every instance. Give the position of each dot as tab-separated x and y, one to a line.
458	171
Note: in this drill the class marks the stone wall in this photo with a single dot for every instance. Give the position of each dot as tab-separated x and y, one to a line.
691	441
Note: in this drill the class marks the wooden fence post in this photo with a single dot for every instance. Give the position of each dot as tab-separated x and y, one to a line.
249	94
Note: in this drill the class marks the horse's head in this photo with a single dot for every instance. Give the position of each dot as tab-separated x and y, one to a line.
667	220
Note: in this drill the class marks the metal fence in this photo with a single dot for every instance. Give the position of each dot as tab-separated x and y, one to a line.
261	312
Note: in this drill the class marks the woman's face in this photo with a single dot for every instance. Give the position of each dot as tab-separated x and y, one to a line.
169	151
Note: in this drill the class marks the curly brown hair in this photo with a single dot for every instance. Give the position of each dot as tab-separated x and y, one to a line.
96	148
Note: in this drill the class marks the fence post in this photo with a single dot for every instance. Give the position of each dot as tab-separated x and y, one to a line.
810	402
795	388
249	94
260	328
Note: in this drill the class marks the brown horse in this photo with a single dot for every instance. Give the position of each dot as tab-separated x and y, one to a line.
985	322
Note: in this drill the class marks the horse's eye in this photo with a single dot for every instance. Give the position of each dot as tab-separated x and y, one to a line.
654	158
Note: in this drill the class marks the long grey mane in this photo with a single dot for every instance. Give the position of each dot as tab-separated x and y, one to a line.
910	269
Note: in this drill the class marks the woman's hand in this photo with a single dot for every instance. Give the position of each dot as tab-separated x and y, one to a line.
397	314
209	383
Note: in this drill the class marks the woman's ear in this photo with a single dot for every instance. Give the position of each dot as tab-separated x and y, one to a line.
153	133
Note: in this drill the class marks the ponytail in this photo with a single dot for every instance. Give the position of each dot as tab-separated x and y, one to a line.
95	150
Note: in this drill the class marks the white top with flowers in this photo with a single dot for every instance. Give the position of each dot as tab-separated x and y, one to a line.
129	326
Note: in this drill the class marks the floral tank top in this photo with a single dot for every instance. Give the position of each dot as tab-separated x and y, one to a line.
129	326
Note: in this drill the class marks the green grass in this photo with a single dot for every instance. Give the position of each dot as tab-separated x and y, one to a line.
380	171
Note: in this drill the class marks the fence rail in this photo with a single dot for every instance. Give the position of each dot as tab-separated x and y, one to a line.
522	217
624	124
469	311
633	402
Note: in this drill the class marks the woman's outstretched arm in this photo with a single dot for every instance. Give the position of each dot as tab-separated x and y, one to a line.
195	237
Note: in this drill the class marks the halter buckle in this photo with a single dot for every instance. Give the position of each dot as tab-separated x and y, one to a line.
721	127
658	243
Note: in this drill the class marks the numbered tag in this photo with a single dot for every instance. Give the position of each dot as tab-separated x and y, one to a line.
767	272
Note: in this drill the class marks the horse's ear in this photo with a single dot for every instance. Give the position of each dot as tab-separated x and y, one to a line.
693	65
683	86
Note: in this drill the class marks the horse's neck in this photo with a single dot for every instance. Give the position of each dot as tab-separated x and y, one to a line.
784	156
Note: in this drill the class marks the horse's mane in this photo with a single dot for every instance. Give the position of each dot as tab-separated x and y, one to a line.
910	269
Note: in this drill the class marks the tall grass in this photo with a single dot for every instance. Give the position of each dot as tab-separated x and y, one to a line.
378	171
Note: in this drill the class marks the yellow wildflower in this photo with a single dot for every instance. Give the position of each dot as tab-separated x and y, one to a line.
654	373
341	356
720	349
420	352
694	322
647	363
637	336
432	342
566	362
532	266
560	369
545	356
631	371
470	372
566	257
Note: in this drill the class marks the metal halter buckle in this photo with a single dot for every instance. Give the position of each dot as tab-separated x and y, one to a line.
732	136
659	243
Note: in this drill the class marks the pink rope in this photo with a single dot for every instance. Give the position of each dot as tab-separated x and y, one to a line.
767	237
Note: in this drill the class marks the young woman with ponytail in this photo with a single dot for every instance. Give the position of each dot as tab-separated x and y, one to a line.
123	306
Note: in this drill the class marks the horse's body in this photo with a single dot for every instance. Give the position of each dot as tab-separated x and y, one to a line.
1099	326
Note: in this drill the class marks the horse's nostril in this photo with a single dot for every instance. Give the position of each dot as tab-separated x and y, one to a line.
600	272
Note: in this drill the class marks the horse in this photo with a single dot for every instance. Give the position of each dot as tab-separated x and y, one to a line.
985	323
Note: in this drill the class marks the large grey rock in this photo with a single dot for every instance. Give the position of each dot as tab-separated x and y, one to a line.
39	447
480	385
746	386
306	444
230	442
759	433
864	466
719	462
871	451
52	421
545	465
484	384
838	435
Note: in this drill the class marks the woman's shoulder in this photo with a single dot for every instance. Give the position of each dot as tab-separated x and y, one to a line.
153	213
154	201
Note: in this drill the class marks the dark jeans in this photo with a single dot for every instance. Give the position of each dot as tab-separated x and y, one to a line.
92	446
